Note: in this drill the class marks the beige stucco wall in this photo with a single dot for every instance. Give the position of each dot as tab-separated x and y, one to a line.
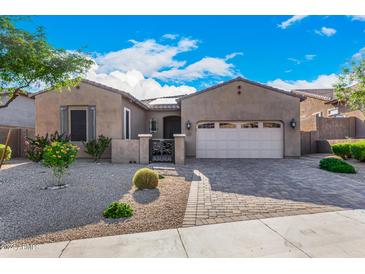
108	109
313	105
138	118
254	103
125	151
158	116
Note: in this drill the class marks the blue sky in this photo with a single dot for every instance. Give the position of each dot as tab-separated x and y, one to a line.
150	56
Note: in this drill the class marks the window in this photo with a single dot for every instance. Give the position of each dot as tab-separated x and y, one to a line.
333	112
272	125
78	125
153	126
227	125
206	125
127	123
250	125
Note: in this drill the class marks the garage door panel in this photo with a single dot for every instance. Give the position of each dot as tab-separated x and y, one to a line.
262	142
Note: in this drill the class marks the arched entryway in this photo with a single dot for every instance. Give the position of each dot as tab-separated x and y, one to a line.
171	126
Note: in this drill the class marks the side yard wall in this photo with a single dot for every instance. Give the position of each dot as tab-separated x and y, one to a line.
17	139
317	131
125	151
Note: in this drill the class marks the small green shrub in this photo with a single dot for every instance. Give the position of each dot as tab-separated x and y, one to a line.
145	178
7	152
59	156
336	165
358	150
118	210
35	146
342	150
97	147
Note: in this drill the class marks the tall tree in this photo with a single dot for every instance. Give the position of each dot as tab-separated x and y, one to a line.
350	88
27	60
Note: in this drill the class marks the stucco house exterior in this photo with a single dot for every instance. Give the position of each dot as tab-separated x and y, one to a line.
235	119
323	103
19	113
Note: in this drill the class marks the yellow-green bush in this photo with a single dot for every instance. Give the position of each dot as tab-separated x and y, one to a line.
358	150
145	178
342	149
7	153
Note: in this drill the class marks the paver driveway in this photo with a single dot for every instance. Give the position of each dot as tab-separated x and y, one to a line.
240	189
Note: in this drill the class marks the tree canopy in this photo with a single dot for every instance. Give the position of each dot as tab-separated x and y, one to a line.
28	60
350	88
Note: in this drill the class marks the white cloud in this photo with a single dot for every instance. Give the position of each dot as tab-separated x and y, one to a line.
358	17
326	31
136	84
140	68
310	57
233	55
147	56
358	55
296	61
170	36
208	66
291	21
322	81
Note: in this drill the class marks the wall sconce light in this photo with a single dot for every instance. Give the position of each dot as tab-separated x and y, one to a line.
188	125
293	123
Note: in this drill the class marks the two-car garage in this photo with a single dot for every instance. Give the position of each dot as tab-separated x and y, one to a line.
241	119
245	139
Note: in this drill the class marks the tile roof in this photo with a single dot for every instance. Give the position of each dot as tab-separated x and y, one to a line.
326	94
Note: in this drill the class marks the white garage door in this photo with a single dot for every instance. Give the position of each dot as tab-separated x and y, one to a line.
239	140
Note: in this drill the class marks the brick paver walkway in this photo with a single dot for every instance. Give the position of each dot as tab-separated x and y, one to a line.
235	190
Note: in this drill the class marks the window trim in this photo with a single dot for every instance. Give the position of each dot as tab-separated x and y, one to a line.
330	109
70	108
150	125
124	123
318	114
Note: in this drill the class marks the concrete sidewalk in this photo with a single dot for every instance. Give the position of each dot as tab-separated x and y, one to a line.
332	234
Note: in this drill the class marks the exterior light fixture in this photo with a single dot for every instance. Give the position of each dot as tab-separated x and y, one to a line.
293	123
188	125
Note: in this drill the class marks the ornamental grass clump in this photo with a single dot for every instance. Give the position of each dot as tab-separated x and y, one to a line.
145	178
59	156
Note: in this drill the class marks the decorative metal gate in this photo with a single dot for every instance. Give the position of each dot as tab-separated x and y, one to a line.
162	150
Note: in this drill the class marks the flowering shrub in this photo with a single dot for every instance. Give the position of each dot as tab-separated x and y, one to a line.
34	147
59	156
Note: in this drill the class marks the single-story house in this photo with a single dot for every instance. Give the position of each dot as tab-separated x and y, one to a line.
235	119
19	116
324	103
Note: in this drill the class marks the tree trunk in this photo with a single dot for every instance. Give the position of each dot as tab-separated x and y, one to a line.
6	146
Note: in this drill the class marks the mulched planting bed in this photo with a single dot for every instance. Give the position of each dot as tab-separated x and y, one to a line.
155	209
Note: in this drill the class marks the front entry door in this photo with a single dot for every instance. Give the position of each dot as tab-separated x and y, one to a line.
171	126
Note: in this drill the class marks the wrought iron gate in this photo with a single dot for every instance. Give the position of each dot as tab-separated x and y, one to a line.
162	150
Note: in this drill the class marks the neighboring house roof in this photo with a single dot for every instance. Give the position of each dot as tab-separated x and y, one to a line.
326	94
246	81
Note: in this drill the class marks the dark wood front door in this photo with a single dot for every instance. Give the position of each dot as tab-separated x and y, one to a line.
171	126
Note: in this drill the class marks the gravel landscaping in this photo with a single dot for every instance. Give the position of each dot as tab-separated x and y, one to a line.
32	215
